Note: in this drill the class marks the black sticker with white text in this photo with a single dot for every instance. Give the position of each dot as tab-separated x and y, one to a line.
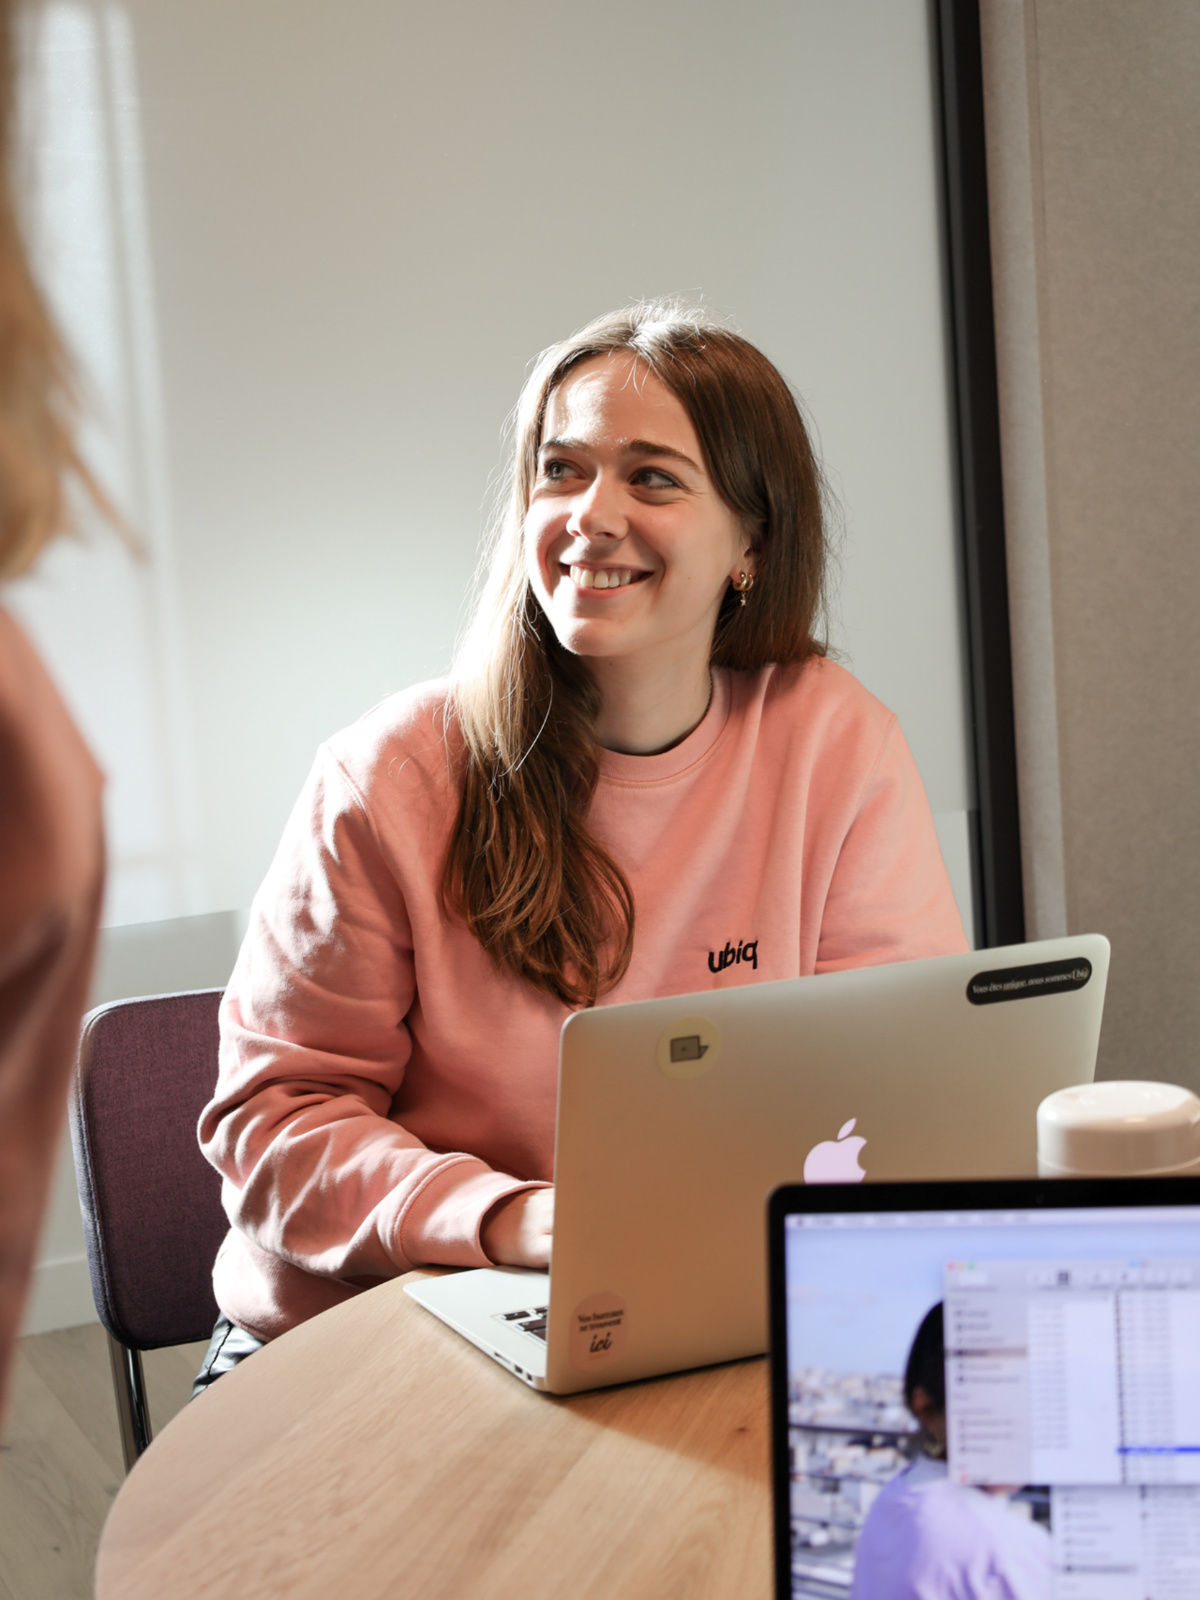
1022	983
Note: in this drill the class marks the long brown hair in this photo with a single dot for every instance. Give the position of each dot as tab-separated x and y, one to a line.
536	888
38	409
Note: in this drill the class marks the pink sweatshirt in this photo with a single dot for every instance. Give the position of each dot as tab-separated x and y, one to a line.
383	1083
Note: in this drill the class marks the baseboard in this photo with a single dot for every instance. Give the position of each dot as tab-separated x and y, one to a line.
60	1297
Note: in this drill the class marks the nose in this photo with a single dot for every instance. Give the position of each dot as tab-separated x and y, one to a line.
597	511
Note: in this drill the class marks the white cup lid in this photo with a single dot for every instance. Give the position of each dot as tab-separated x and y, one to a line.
1119	1129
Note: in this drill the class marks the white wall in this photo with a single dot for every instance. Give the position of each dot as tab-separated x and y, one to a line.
308	248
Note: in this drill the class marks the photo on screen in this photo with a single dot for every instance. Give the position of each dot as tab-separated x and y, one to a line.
981	1408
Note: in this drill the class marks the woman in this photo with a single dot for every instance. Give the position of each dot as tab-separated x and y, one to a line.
642	762
926	1538
51	846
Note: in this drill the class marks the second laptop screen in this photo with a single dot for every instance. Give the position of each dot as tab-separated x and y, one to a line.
995	1398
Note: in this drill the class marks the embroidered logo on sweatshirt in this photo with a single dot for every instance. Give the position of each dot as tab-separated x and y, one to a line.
747	950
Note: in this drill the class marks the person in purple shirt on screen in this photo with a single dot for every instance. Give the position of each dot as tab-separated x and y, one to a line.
926	1538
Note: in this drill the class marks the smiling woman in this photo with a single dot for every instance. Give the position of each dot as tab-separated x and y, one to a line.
644	778
622	501
655	444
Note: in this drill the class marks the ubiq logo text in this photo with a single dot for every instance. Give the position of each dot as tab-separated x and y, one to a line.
746	950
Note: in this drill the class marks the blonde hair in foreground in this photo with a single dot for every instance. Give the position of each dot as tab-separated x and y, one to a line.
538	891
37	400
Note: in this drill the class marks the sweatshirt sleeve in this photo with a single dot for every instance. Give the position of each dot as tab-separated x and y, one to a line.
314	1047
889	897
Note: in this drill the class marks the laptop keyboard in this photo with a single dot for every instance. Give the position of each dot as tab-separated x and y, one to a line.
532	1320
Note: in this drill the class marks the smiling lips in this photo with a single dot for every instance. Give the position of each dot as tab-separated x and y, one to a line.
605	577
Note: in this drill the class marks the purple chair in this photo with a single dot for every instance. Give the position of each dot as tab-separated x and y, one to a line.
151	1204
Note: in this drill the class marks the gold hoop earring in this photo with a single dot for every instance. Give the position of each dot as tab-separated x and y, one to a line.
743	583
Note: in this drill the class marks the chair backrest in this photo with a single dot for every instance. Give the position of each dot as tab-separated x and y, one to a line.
151	1204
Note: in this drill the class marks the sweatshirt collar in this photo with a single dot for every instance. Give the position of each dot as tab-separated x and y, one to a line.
616	767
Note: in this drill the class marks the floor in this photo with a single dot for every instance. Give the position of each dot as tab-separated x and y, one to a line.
60	1463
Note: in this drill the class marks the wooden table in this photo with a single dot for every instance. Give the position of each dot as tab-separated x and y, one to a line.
373	1452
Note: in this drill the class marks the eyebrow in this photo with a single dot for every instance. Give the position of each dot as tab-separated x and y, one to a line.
637	447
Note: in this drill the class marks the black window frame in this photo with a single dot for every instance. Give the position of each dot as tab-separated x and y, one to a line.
996	829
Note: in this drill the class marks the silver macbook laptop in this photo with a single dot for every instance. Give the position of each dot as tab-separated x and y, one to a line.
987	1388
677	1117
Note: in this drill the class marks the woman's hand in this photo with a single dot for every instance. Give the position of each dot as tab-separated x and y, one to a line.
518	1230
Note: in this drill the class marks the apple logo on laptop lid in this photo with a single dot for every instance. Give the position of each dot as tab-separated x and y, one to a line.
836	1160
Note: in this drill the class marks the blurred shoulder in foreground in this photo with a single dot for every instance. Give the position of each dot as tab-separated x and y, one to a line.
51	848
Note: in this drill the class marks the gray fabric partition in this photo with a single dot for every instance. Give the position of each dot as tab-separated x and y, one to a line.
1093	123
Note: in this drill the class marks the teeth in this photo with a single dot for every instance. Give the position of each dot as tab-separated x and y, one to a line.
601	578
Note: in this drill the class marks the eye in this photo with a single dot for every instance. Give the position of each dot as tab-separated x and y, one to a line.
655	478
555	470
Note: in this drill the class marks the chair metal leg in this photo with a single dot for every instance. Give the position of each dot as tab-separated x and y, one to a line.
133	1411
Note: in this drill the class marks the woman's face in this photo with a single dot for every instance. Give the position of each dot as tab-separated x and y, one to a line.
628	545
